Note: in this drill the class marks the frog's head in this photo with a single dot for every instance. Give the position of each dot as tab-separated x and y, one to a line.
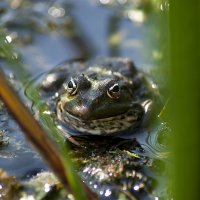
99	102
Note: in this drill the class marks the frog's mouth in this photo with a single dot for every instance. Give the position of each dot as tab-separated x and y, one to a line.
105	126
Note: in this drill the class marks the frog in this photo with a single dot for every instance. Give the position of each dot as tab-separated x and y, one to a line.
100	96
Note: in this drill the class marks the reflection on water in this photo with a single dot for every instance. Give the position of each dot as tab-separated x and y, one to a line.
45	34
16	156
155	143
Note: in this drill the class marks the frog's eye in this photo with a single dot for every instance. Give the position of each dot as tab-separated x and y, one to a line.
114	91
71	87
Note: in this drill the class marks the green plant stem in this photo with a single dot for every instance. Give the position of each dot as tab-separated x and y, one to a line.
185	82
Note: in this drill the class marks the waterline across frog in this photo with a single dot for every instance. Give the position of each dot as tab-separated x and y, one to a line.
102	96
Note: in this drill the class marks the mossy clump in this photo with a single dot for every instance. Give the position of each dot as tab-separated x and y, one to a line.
9	187
114	166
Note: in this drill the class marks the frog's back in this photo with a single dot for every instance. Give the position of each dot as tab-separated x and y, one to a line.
124	66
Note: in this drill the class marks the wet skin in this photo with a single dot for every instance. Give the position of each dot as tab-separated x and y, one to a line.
102	96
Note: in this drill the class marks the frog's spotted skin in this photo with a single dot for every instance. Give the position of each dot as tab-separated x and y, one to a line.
102	96
103	126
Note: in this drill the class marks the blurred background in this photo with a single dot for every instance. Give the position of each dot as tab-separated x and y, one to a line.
37	35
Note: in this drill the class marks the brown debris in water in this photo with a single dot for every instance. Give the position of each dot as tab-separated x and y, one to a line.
9	187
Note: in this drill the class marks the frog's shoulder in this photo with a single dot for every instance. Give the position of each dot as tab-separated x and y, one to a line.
59	74
125	66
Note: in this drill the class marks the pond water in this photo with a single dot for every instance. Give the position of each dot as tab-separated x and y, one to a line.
45	34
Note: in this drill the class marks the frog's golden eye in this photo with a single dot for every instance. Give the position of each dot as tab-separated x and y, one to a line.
114	91
71	87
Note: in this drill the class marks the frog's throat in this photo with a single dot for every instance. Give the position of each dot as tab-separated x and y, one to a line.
105	126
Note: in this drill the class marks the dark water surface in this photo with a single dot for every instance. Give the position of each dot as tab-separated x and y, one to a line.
47	33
